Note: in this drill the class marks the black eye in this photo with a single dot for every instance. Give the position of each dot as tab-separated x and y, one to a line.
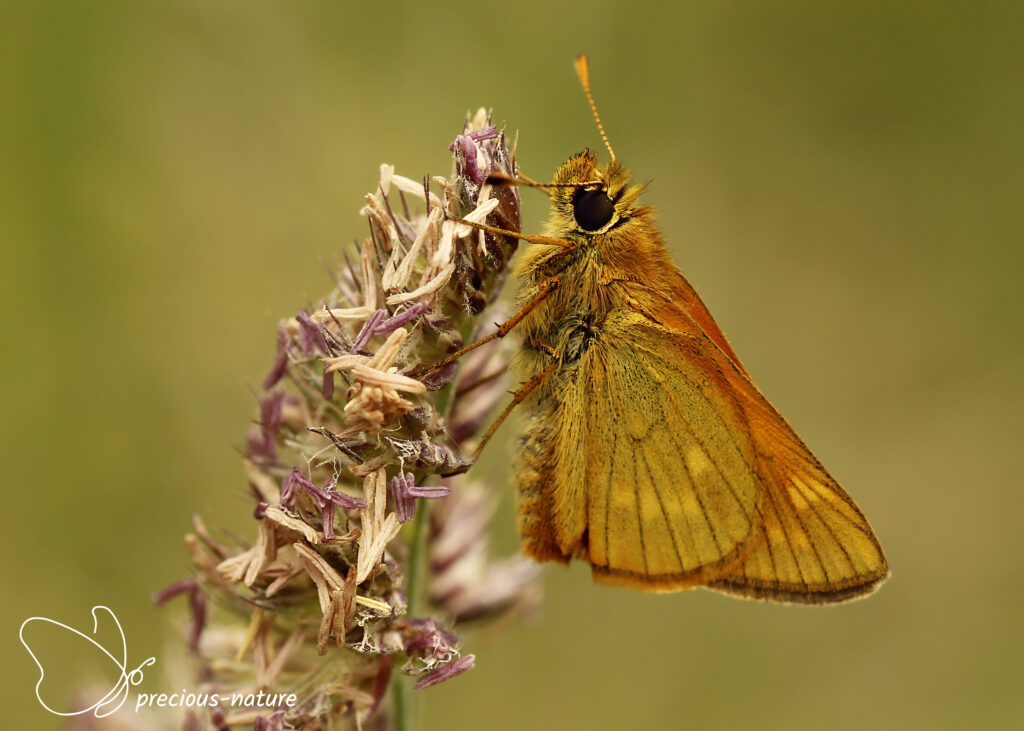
593	209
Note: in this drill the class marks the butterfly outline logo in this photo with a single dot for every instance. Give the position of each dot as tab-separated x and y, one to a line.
119	692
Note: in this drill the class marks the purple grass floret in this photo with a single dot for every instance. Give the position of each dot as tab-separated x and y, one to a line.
446	672
404	493
197	602
468	150
301	481
257	443
270	411
405	504
327	519
280	366
393	323
288	489
326	494
327	388
185	586
311	335
467	145
367	332
264	441
327	498
487	133
342	500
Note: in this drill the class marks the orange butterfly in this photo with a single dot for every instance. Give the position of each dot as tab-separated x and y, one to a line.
647	450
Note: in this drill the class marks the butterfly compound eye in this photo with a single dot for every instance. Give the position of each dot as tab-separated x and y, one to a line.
593	209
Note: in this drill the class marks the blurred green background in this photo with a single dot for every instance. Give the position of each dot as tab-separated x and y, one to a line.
841	181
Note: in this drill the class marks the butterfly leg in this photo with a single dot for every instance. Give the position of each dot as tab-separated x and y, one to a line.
517	398
500	180
544	289
549	240
536	184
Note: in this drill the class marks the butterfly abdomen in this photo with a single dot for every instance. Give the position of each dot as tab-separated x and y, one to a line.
535	468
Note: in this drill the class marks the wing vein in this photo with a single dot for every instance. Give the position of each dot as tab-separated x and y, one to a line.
813	485
835	538
718	468
707	452
664	514
785	534
639	518
814	548
703	509
767	544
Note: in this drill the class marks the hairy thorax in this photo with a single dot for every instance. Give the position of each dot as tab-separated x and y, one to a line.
603	275
572	313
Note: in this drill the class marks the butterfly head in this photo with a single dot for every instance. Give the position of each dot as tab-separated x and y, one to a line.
590	200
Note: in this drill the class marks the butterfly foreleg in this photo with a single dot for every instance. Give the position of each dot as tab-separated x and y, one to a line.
517	398
545	288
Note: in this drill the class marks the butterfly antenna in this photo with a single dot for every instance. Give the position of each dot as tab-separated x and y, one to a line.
584	74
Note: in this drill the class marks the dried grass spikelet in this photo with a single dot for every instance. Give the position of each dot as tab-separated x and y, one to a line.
342	456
